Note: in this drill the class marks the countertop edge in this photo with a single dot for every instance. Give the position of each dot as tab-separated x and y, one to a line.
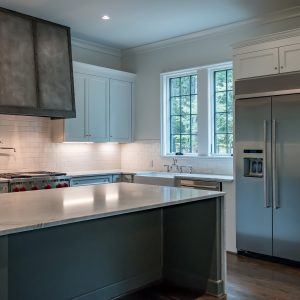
55	223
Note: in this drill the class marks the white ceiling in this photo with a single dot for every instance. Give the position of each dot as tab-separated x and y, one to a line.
139	22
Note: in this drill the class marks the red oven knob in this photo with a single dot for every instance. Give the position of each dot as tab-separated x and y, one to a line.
16	189
48	187
59	186
23	189
65	185
34	188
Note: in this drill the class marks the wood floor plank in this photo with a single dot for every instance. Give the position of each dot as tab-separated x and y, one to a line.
248	279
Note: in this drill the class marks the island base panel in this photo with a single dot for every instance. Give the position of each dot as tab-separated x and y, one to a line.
108	257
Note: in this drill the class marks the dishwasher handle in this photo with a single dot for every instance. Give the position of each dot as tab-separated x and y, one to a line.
201	184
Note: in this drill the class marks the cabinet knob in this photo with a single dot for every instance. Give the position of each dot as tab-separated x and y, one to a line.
276	68
281	67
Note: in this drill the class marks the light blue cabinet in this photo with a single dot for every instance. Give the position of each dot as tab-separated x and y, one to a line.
98	109
103	107
120	108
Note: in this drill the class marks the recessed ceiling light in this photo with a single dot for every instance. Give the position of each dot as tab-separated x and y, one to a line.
105	17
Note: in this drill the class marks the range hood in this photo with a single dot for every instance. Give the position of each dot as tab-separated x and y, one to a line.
36	76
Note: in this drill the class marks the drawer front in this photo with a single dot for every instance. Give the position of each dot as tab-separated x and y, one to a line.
92	180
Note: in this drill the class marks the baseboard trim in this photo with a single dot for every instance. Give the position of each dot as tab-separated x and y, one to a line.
114	291
195	282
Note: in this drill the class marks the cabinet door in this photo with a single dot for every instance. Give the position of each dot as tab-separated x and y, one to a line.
54	70
75	129
120	111
17	68
98	108
286	141
258	63
289	57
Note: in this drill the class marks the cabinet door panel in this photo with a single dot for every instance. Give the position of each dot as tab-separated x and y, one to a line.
17	66
98	108
54	69
286	224
75	129
259	63
254	219
120	111
289	57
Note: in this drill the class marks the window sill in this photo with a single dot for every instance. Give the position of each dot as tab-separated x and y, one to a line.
196	156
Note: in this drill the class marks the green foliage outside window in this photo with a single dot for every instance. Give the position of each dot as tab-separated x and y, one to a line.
223	117
183	114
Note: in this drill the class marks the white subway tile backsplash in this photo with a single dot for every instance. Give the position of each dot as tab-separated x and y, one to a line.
145	155
31	136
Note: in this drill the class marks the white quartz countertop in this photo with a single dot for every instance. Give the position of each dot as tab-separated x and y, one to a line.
98	172
194	176
45	208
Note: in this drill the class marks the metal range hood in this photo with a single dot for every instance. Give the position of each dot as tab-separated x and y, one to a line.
36	75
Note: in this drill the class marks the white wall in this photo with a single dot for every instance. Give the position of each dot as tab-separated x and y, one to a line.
206	50
96	54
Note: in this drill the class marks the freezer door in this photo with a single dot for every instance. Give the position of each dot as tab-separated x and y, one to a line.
253	193
286	213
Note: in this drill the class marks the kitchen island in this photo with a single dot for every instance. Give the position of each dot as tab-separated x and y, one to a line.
99	242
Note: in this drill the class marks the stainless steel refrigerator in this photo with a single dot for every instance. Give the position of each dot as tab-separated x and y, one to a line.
267	160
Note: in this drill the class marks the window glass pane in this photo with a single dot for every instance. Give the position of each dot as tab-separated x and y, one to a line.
230	123
185	85
194	144
221	123
194	109
229	80
229	101
220	81
221	102
175	86
186	124
230	143
183	114
194	84
194	124
175	106
185	105
221	142
175	143
186	143
175	125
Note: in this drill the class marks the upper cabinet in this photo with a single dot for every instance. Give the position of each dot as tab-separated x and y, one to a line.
35	67
258	63
103	107
268	55
120	110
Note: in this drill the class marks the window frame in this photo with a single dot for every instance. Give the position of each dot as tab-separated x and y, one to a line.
212	91
165	109
205	107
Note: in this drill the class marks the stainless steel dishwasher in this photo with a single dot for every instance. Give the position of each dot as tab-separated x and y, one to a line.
200	184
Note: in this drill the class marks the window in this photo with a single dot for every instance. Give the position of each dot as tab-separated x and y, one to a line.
197	115
223	112
183	114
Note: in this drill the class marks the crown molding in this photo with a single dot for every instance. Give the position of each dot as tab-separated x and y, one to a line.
96	47
277	16
273	37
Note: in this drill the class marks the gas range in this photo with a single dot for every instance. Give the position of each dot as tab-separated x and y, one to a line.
32	181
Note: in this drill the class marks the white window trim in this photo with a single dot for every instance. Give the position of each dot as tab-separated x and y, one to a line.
205	109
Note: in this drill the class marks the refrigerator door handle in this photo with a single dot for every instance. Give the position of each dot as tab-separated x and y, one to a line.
265	170
274	167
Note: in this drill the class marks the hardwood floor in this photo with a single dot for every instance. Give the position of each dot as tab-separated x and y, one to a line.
248	279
